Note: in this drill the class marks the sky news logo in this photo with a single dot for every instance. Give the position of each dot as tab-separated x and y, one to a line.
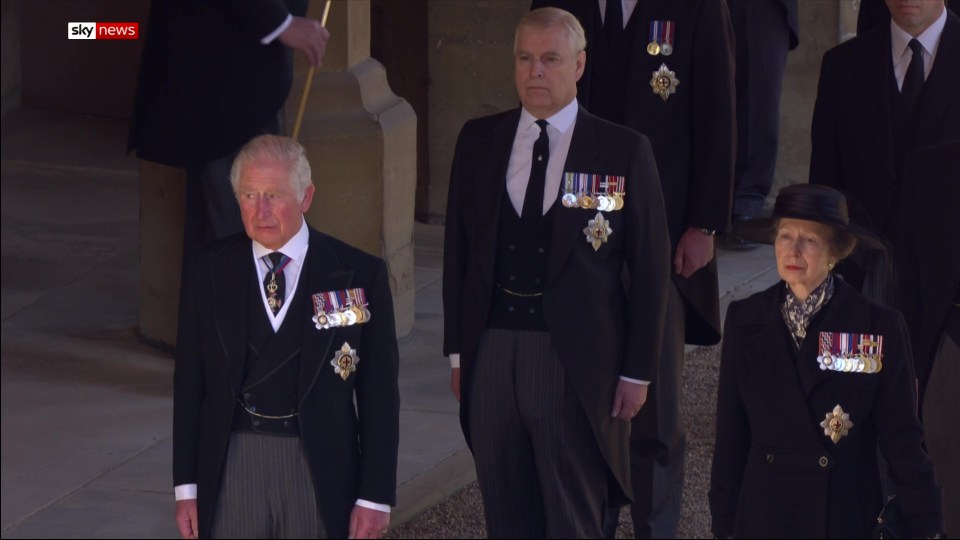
103	30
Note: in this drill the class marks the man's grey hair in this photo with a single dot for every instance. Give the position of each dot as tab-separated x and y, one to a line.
548	17
274	150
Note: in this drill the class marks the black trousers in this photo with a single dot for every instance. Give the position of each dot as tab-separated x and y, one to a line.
762	42
540	469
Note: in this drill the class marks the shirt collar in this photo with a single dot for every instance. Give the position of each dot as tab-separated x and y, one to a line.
293	248
562	120
930	38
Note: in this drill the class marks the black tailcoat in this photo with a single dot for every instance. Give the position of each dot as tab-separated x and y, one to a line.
351	449
775	473
599	329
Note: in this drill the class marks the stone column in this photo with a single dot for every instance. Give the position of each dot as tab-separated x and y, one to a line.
361	142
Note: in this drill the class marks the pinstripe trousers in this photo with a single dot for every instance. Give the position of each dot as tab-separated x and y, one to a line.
267	491
540	469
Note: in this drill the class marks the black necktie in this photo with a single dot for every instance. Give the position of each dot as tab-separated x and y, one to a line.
613	21
913	81
533	199
274	284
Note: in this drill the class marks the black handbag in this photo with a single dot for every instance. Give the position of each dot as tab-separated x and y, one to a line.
890	522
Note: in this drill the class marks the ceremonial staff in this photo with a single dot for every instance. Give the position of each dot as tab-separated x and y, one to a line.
306	86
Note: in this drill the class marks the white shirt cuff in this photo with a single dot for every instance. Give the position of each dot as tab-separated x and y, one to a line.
185	491
276	33
634	381
374	506
455	361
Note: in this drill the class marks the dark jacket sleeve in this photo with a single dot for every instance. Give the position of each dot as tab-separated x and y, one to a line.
455	250
648	264
189	386
713	143
378	397
825	150
900	435
733	435
257	18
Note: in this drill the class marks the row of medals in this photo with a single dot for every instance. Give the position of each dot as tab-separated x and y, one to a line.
861	363
347	316
603	203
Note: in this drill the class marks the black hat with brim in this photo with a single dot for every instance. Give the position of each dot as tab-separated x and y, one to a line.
812	203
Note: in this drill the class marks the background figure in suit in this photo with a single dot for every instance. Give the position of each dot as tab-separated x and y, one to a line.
691	126
213	75
267	439
881	95
765	31
812	378
552	354
929	265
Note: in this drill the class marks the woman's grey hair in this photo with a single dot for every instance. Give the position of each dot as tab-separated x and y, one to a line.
274	150
547	17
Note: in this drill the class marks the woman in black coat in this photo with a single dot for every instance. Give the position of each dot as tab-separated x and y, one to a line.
813	378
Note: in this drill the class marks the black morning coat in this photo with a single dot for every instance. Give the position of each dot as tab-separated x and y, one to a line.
603	322
351	449
775	473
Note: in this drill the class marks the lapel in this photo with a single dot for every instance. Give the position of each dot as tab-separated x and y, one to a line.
585	156
231	271
873	76
770	353
943	84
323	272
491	179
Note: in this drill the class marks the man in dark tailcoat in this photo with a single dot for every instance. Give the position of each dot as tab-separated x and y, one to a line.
666	69
881	95
286	405
555	286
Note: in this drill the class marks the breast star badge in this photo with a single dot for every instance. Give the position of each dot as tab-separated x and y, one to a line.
345	361
837	424
664	82
598	231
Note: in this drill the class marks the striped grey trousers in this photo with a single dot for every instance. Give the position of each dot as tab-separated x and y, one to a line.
539	466
267	491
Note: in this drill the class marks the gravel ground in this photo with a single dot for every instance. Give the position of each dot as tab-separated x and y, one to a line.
461	516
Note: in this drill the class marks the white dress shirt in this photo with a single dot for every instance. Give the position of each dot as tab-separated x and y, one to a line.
560	131
296	250
268	39
902	53
626	5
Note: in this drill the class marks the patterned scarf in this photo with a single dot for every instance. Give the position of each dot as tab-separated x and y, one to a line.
797	314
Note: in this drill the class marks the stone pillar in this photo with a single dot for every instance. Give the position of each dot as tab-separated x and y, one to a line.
361	142
161	251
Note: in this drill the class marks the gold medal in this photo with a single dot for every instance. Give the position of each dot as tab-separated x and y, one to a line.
358	313
586	202
836	424
618	198
653	48
598	231
664	82
345	361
